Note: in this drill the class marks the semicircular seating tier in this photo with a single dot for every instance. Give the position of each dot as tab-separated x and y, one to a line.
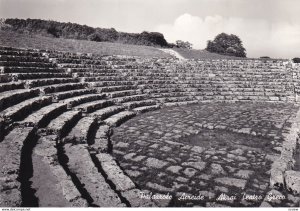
55	106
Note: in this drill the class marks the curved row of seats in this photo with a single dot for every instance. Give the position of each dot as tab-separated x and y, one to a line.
39	101
58	106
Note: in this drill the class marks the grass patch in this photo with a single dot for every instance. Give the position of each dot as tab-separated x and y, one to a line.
201	54
17	40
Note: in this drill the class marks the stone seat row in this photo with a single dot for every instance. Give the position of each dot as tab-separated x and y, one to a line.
89	139
20	53
85	169
27	64
59	92
30	70
22	58
23	109
48	81
89	61
7	86
28	76
86	76
90	70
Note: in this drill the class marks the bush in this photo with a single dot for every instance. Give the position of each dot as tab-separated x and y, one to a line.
296	60
83	32
54	31
182	44
95	37
225	44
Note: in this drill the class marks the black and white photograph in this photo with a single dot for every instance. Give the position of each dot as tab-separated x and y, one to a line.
149	104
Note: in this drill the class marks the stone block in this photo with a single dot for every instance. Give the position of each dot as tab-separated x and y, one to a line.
292	180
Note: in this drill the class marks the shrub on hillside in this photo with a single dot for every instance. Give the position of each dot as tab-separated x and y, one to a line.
54	31
226	44
296	60
182	44
83	32
95	37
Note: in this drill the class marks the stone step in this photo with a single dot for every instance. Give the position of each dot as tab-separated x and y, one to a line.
48	81
18	52
11	86
73	93
93	106
113	83
89	76
100	142
10	98
166	90
61	87
130	98
116	94
169	94
75	101
114	173
175	99
104	78
151	87
10	155
10	58
31	70
144	109
87	173
61	125
156	81
28	76
116	88
119	118
134	104
106	112
87	67
23	109
2	128
180	103
5	78
25	64
43	116
53	187
82	132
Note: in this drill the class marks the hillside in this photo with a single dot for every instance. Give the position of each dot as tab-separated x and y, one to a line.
14	39
201	54
56	29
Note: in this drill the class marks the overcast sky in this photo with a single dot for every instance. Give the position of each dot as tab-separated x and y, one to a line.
266	27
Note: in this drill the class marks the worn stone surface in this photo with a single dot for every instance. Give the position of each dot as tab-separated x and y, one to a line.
53	187
244	174
10	155
155	163
216	147
87	173
217	169
115	174
179	153
292	179
239	183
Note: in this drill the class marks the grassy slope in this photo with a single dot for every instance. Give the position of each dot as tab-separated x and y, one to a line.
201	54
17	40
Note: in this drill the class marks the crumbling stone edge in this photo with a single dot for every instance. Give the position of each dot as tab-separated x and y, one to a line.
282	174
130	191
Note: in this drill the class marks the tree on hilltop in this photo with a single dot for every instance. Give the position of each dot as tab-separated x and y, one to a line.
296	60
226	44
182	44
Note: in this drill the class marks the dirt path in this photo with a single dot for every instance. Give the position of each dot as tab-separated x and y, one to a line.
173	53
